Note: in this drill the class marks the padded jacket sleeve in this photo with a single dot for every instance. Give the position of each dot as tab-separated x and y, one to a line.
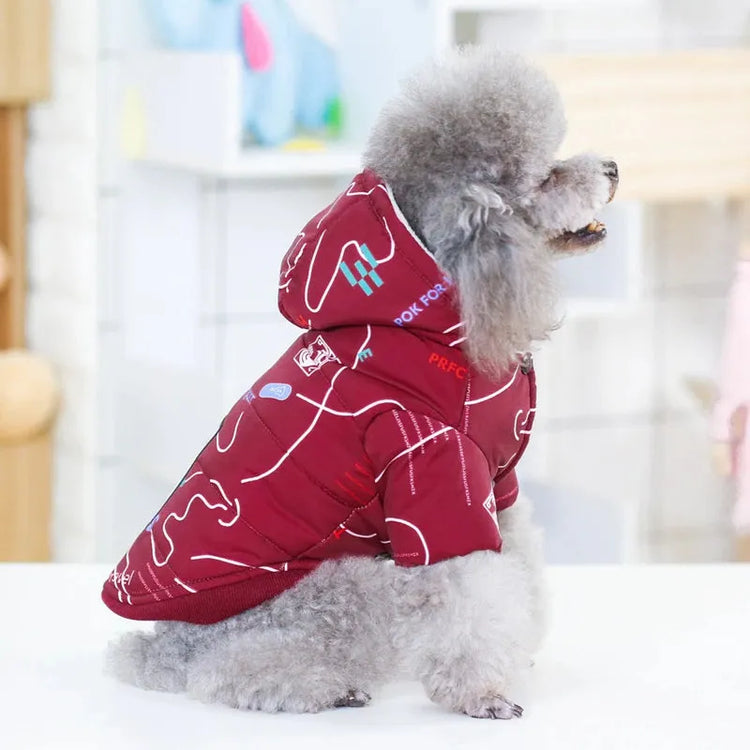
506	489
437	490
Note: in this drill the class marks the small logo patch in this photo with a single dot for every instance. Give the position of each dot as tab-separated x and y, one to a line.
156	517
249	396
365	275
279	391
313	357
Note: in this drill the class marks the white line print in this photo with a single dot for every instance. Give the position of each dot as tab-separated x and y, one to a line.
114	582
378	261
290	266
114	576
364	536
430	426
362	348
453	328
301	437
396	210
464	478
156	581
419	432
496	393
413	447
359	536
400	216
220	559
458	341
187	479
505	465
197	496
350	194
412	487
516	432
421	536
284	566
146	586
467	409
127	564
226	499
379	186
336	413
234	435
122	579
185	586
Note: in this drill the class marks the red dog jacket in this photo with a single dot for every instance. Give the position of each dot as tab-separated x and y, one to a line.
372	434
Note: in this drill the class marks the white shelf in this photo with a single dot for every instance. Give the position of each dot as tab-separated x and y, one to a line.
256	163
183	111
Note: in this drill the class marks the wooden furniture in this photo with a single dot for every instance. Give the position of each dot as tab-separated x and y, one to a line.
24	78
677	122
636	657
28	393
29	398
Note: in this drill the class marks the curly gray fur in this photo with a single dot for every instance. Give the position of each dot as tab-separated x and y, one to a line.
464	628
468	149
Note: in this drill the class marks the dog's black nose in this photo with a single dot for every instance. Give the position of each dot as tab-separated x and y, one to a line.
610	170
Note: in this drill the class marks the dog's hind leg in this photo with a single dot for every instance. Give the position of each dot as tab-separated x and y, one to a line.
154	661
322	644
467	623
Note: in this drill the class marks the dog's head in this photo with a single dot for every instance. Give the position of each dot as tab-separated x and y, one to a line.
468	148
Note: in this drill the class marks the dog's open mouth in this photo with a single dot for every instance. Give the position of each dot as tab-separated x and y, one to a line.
594	232
582	239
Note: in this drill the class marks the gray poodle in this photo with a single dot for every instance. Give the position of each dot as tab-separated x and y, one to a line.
467	154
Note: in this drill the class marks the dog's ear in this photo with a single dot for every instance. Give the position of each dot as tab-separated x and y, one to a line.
475	217
505	281
476	203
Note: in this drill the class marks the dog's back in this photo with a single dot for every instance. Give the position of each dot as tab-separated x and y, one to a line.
375	400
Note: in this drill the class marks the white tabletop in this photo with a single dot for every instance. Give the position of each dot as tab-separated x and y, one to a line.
637	658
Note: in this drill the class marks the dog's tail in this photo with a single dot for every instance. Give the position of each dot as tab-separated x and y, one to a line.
153	661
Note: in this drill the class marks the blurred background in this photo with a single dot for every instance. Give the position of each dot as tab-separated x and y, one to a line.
164	177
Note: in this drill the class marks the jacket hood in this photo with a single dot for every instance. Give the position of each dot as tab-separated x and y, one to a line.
358	262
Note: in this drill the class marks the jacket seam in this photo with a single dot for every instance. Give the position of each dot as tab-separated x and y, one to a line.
246	523
178	588
327	537
301	466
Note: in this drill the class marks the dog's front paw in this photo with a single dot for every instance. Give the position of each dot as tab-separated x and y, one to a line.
475	703
493	707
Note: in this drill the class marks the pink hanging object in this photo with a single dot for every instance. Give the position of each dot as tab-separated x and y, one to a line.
255	40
